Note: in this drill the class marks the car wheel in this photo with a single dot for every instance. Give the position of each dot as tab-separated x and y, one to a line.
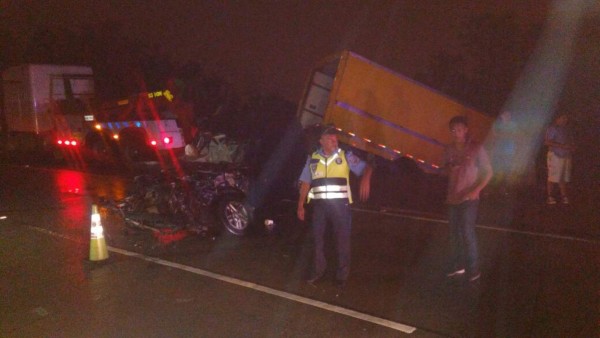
234	215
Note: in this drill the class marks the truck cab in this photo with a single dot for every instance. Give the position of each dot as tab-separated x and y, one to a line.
141	126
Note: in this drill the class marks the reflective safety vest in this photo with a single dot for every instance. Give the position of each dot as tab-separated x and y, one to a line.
330	177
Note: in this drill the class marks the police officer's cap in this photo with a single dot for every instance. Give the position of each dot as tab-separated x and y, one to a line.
328	129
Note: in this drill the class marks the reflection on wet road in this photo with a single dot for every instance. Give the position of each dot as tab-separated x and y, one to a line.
148	289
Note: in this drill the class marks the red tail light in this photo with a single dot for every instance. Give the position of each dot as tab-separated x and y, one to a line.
168	140
69	143
153	142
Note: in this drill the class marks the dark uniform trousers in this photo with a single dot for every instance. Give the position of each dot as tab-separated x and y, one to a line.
338	213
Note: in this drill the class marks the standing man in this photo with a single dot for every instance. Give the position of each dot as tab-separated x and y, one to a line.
469	171
325	183
560	146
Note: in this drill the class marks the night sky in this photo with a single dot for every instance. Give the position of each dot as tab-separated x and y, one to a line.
271	45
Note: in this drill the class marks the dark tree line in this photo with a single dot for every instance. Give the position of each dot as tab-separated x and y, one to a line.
493	50
481	72
124	65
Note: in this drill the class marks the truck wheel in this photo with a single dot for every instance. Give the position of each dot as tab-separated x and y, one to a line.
97	148
133	146
132	152
234	215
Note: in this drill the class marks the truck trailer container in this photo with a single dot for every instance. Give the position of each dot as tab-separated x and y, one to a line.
383	112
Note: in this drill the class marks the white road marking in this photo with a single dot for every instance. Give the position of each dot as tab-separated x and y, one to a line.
488	227
401	213
235	281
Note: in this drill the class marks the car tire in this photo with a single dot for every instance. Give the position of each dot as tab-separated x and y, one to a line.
234	215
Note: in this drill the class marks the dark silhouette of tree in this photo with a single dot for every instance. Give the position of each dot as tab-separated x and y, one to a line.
214	100
155	66
42	47
493	50
496	51
446	74
122	65
8	56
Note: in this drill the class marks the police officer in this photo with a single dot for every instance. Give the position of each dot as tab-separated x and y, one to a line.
325	183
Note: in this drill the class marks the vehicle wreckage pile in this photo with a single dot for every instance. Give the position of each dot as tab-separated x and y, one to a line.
202	200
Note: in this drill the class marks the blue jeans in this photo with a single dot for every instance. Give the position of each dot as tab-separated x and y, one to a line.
462	219
339	214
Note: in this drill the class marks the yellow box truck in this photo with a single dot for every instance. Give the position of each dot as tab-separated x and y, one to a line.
383	112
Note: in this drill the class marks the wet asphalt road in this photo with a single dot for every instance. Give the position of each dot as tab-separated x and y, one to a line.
540	272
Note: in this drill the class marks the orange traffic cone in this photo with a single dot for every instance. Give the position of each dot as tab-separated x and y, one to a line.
98	250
